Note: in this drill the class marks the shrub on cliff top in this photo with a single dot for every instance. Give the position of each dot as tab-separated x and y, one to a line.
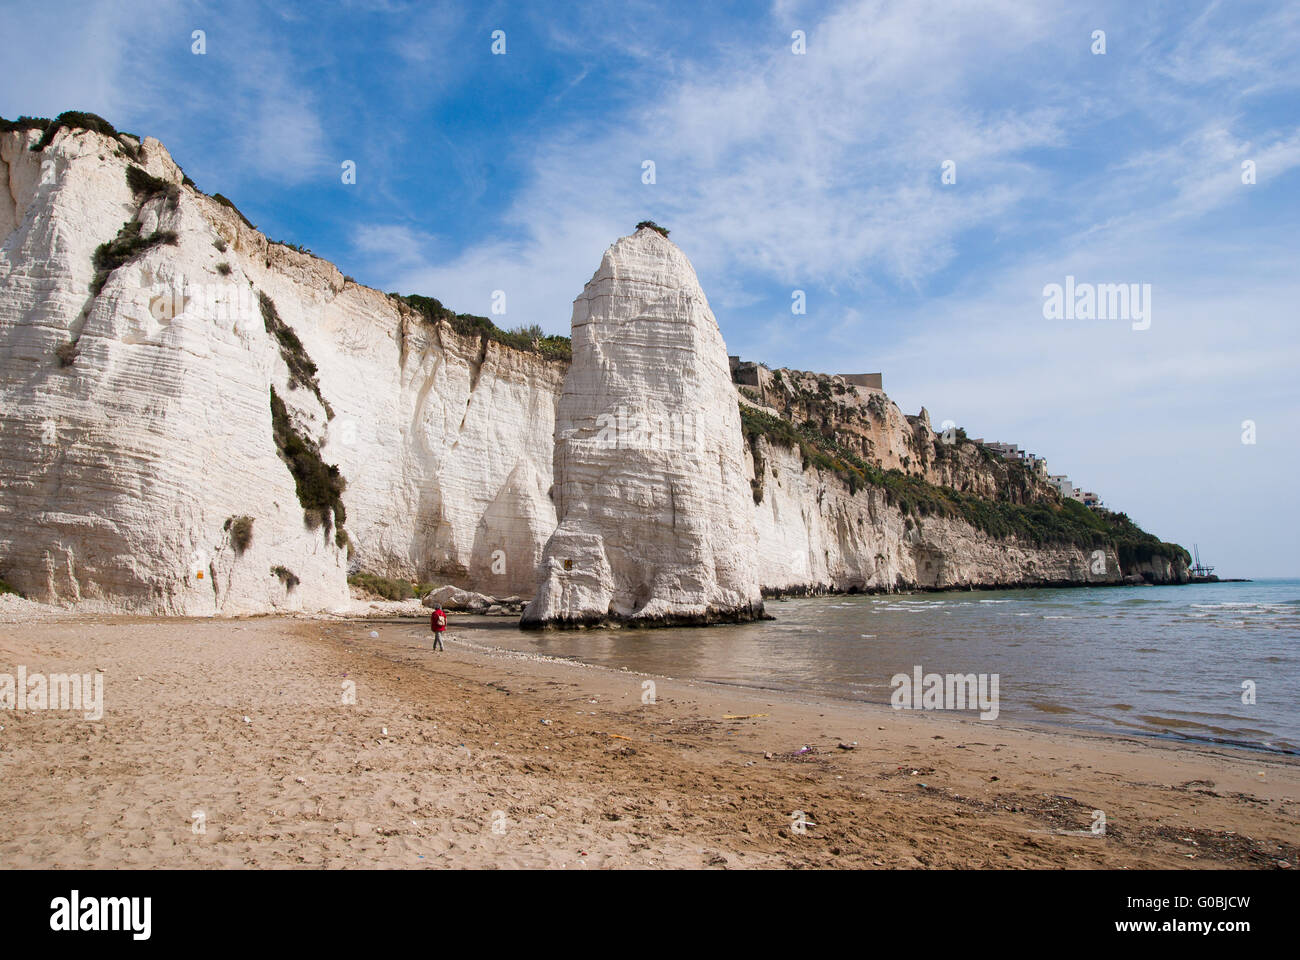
653	226
527	340
24	123
77	120
292	246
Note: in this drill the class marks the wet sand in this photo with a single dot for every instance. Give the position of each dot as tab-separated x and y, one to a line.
476	758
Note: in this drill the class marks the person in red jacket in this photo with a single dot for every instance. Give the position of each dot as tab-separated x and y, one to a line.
438	623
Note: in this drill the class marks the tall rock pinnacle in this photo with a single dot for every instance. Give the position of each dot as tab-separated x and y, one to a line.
656	517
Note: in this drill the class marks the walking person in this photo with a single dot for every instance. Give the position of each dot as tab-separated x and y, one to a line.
438	624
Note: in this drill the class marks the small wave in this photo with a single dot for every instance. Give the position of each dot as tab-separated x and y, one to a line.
1050	707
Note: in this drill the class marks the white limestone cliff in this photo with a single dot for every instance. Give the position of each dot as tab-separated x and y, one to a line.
120	469
816	535
136	428
655	515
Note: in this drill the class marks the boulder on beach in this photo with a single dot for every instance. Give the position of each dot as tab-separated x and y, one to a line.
451	597
454	598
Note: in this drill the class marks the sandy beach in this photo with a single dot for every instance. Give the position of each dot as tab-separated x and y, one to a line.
228	743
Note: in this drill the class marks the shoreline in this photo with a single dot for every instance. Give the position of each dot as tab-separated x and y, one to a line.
811	699
495	757
798	593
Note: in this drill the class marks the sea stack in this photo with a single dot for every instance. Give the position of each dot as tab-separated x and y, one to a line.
656	517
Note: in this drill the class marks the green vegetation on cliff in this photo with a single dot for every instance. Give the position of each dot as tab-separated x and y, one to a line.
320	486
302	369
527	339
128	143
125	247
73	119
1040	523
388	588
226	202
24	123
147	187
241	532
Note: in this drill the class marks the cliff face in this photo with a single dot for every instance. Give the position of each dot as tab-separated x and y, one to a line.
125	459
175	388
814	534
868	425
851	494
656	522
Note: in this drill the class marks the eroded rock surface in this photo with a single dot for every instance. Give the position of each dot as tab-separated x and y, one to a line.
136	422
656	520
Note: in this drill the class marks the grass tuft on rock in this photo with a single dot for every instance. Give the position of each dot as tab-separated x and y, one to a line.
287	576
241	533
67	353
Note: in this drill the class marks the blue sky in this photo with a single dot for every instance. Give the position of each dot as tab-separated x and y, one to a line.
776	172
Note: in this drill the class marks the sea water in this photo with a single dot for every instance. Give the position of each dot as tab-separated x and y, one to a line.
1210	662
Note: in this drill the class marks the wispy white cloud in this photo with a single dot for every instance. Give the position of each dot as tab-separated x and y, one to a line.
817	168
73	56
400	246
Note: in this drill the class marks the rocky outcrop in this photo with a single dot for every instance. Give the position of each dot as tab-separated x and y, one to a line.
1160	570
136	421
816	535
453	598
870	426
145	329
655	516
